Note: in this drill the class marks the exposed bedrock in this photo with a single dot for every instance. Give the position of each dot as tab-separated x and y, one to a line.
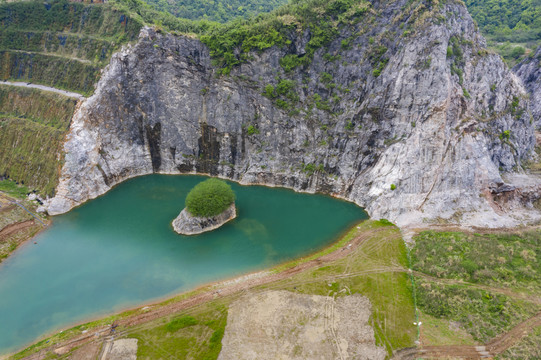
529	70
440	135
187	224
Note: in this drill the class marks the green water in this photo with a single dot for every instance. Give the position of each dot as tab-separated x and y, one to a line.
120	250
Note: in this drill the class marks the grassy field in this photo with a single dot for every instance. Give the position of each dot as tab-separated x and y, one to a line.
508	260
482	284
376	269
196	334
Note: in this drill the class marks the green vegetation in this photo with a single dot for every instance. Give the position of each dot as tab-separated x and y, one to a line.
476	280
12	214
505	135
456	55
507	20
13	189
393	187
251	130
510	260
284	95
30	153
526	349
513	28
196	334
209	198
439	331
60	43
322	18
220	11
42	107
32	128
483	314
58	72
180	323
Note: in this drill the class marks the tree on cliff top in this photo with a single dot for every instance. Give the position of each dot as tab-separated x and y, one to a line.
209	198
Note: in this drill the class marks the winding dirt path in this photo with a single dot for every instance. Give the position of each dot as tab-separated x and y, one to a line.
496	346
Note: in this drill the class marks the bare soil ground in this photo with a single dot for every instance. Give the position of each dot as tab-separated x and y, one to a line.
286	325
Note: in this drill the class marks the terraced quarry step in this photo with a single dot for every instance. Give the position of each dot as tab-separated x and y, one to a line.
61	44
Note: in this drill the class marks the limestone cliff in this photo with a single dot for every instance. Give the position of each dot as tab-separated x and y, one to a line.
529	71
410	98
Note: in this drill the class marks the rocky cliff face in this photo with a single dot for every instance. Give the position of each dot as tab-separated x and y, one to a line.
426	111
529	72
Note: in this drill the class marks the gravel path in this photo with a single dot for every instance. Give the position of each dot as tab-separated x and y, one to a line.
43	87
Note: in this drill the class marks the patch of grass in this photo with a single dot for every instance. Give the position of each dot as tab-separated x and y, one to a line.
436	331
483	314
510	260
198	335
13	189
181	323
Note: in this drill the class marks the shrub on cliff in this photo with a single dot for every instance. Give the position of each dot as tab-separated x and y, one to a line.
209	198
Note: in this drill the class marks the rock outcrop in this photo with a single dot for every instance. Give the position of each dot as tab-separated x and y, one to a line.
187	224
529	70
429	110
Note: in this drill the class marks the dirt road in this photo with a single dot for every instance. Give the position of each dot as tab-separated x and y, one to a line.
43	87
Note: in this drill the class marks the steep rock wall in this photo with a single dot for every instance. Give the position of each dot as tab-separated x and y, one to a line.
438	124
529	72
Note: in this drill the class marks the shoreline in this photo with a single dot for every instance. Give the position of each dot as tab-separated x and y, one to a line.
210	290
157	308
45	224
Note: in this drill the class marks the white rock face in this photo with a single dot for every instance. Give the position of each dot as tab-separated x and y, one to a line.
440	138
187	224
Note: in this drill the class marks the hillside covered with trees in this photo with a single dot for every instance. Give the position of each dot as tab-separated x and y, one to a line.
512	27
215	10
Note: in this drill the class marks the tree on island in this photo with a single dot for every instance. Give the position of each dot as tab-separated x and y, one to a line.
209	198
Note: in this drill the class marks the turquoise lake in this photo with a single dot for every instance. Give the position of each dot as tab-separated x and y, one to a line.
120	251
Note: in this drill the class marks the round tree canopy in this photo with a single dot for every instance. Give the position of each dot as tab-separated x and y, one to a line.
209	198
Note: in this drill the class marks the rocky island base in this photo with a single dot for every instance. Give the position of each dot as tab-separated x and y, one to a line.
187	224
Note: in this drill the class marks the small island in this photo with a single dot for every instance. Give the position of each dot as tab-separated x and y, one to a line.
209	205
